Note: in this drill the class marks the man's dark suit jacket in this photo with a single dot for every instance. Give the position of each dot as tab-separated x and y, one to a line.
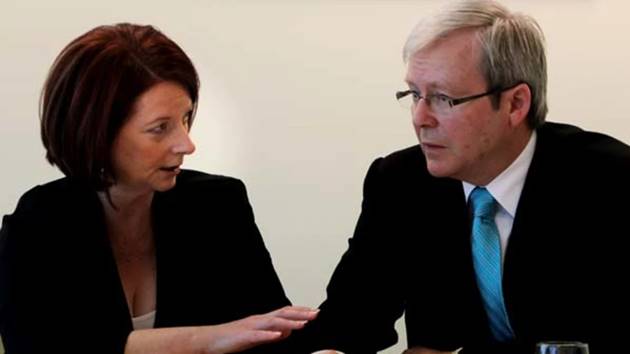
59	286
564	266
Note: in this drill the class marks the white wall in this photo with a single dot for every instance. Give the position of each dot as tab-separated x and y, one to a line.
297	99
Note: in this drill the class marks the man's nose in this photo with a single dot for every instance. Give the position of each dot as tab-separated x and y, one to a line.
422	114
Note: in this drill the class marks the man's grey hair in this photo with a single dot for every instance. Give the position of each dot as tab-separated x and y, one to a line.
512	46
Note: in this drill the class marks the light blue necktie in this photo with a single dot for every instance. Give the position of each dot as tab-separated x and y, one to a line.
486	250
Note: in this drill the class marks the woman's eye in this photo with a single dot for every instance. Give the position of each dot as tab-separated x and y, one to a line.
161	128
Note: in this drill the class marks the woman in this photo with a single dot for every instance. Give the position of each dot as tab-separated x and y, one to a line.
130	253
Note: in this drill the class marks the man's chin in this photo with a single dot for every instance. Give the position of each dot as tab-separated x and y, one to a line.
438	170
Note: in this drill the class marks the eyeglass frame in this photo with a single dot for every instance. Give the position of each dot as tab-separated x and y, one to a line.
452	102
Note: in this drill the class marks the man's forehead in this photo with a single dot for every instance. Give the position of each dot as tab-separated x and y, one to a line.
434	75
446	62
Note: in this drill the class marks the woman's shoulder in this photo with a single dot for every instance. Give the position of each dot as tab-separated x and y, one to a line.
188	177
42	211
191	182
46	198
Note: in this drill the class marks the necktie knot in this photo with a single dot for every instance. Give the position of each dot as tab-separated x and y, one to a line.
483	203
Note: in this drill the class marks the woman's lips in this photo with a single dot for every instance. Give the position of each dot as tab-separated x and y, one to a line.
171	169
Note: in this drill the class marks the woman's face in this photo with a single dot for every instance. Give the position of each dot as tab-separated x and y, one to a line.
150	147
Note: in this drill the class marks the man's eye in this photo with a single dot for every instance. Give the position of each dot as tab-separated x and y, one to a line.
442	98
415	95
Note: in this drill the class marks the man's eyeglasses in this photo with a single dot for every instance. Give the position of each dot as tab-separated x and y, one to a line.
440	103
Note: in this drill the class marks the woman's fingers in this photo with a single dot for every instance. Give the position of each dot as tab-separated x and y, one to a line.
285	320
296	313
273	323
258	337
241	340
254	330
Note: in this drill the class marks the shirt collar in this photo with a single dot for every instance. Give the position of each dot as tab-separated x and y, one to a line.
506	188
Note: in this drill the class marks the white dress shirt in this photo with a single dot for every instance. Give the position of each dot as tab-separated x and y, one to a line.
506	189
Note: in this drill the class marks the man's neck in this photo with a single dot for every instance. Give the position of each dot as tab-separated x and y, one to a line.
513	147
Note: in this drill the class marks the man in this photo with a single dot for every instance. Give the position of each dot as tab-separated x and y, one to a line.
498	230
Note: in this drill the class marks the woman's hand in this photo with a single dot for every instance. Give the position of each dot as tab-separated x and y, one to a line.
231	337
258	329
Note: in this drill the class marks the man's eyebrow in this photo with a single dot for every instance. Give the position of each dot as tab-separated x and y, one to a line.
431	86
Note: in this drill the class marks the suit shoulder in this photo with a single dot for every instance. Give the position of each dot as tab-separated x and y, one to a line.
408	156
192	183
39	213
411	153
408	161
196	178
586	147
43	198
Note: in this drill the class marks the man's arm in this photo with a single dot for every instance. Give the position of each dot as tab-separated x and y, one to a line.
365	295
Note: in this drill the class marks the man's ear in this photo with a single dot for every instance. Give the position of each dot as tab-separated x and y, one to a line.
519	100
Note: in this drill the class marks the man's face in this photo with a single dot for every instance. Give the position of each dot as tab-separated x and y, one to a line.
464	141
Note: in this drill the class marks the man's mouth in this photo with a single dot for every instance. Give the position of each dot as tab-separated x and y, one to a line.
431	146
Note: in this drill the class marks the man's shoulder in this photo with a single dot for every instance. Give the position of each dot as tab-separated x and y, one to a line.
404	169
410	158
584	147
409	154
580	140
408	165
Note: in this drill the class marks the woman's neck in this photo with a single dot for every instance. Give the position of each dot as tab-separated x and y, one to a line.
129	212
